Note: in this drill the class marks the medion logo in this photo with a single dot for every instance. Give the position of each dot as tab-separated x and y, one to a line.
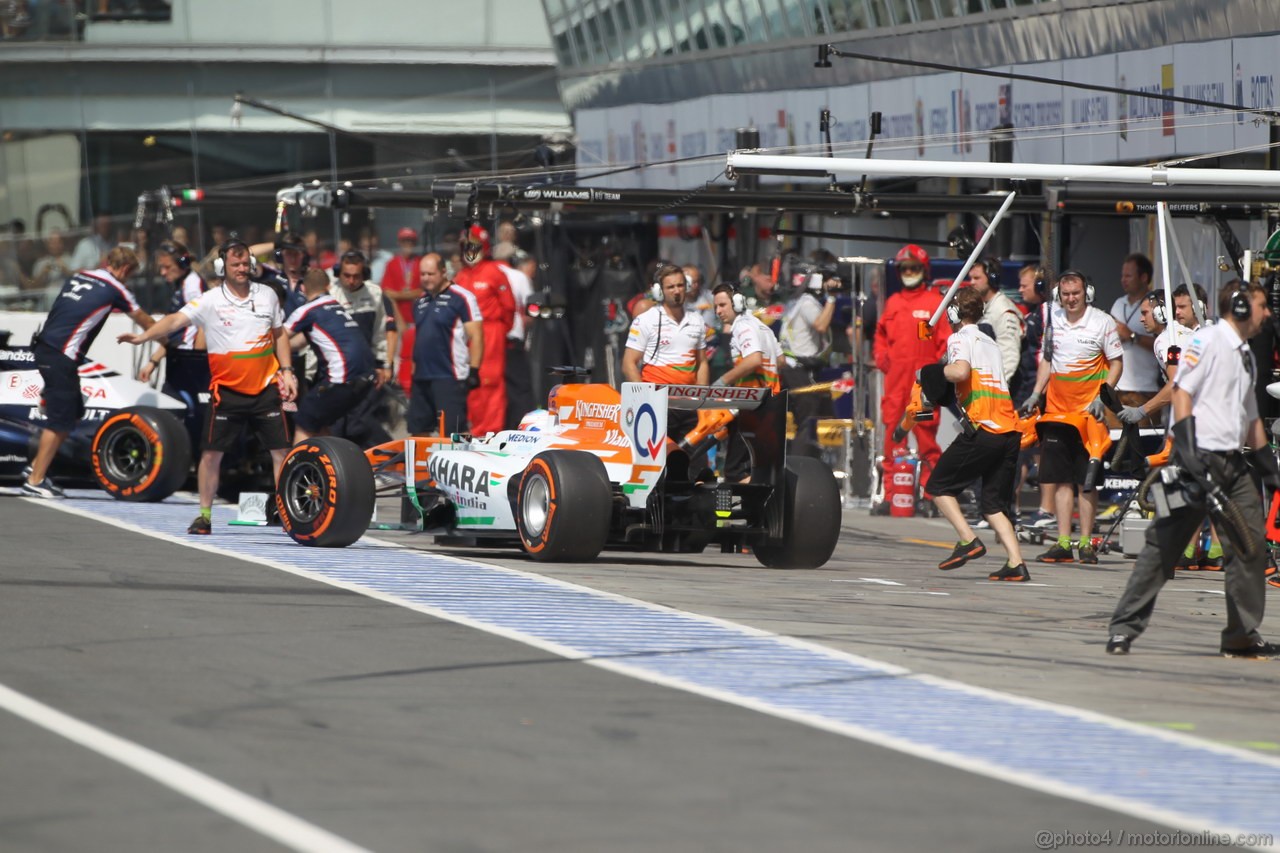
605	411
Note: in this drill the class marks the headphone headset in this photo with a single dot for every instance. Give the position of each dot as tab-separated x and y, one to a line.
1158	309
178	252
1088	286
1241	305
655	289
292	241
953	314
353	256
220	262
738	302
990	266
1041	284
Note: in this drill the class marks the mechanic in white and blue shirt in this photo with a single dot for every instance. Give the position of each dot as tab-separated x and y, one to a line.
447	349
74	321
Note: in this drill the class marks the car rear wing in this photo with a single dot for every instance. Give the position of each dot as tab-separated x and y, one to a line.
714	396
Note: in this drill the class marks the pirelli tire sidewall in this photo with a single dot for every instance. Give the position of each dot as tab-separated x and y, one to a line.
141	454
326	494
564	506
812	513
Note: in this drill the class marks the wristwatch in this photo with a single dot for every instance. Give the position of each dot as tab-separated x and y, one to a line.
290	369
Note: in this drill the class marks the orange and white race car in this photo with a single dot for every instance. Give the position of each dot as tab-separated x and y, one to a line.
595	470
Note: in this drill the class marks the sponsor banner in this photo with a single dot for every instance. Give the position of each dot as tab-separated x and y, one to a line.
949	116
1091	126
1204	71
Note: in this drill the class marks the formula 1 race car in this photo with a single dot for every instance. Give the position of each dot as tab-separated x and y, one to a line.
595	471
129	442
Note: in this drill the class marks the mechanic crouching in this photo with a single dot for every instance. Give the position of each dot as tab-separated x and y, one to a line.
1215	415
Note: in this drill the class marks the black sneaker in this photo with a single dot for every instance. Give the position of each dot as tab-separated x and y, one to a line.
1088	556
1258	651
1057	554
200	527
1211	564
1118	644
46	488
964	552
1011	573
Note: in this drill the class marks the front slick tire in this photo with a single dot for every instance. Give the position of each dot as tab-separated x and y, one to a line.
141	454
326	493
563	506
811	514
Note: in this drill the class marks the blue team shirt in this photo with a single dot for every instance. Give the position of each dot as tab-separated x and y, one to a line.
342	351
81	309
440	345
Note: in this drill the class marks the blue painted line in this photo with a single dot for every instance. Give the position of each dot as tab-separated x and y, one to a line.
1159	775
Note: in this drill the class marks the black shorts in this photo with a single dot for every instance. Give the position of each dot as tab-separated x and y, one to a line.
1063	458
63	402
229	412
327	403
989	456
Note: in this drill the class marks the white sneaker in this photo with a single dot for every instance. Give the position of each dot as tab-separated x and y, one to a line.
44	489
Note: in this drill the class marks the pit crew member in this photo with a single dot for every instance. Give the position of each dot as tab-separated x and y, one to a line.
1081	351
250	365
345	366
75	319
447	348
1215	415
487	403
900	351
987	447
184	355
666	345
756	354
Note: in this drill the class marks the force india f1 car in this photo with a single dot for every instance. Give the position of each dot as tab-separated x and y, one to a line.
597	472
129	442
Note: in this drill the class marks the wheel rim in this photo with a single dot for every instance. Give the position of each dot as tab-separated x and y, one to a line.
127	455
303	491
535	506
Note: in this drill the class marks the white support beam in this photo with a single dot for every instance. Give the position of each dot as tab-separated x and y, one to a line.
855	167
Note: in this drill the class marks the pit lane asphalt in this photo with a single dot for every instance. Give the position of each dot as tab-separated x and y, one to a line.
398	731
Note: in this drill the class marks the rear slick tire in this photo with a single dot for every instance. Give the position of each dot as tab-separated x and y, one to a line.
811	515
326	493
563	507
141	454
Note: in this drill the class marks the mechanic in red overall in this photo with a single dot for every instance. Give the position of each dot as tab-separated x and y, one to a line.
487	405
900	352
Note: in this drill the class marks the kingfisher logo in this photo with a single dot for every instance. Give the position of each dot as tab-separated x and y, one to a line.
605	411
646	434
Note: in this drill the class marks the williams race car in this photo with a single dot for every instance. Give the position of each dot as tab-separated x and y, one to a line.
595	471
129	442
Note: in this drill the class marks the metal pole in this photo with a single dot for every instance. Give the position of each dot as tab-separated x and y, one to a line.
1182	265
1162	220
973	256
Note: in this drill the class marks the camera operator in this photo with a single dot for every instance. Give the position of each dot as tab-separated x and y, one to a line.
806	321
1215	416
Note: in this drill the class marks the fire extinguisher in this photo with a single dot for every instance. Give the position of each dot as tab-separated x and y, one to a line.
900	485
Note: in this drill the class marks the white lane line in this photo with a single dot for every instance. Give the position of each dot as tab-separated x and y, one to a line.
1158	813
293	832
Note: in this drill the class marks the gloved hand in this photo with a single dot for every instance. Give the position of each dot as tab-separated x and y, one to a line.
1185	453
1264	462
473	380
1131	414
1029	405
1095	408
